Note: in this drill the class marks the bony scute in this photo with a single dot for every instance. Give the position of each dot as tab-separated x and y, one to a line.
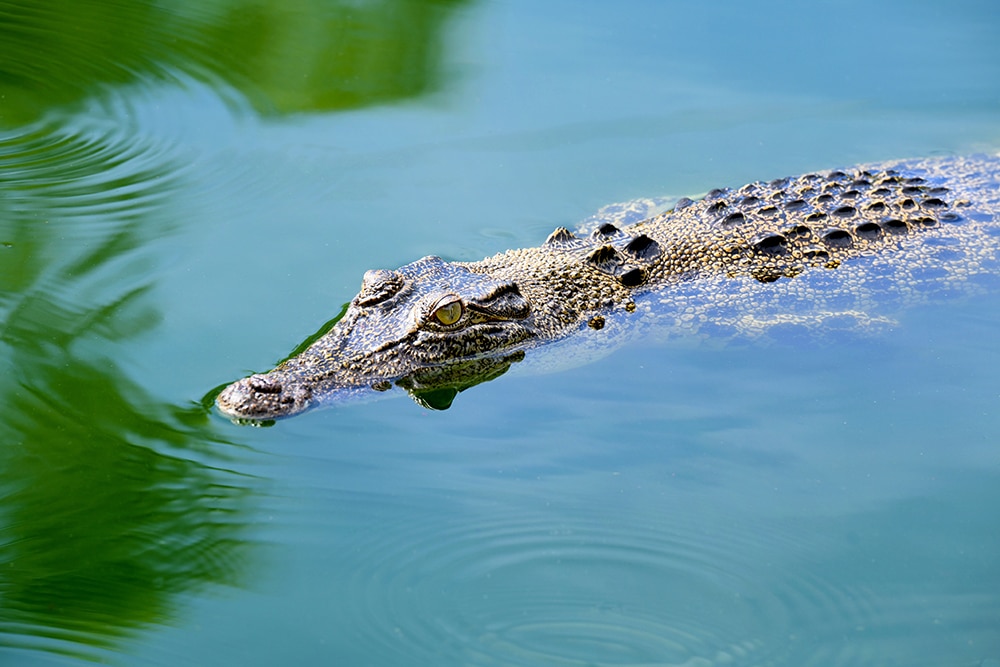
777	252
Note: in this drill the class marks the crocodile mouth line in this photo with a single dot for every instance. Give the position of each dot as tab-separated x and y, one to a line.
790	250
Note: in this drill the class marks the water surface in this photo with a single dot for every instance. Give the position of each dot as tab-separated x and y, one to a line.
187	190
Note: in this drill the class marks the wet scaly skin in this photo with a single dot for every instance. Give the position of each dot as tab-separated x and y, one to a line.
435	327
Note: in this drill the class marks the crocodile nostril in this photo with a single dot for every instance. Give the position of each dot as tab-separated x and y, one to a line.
264	384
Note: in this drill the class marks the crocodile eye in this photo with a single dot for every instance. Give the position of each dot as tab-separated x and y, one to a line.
448	311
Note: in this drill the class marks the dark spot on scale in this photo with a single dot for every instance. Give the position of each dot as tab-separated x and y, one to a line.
643	247
766	275
912	190
913	180
934	202
750	201
823	199
596	323
950	217
779	182
908	203
895	226
861	183
837	175
939	190
888	179
264	385
771	244
798	232
926	221
633	277
714	194
779	195
795	205
845	211
811	177
851	194
683	203
815	254
832	187
560	235
816	217
837	238
768	211
734	219
605	258
876	206
607	229
805	192
868	230
718	206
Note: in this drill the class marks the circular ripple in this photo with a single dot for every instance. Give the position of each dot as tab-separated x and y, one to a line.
79	203
490	588
69	170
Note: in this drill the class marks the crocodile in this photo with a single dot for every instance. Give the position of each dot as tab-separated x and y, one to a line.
816	248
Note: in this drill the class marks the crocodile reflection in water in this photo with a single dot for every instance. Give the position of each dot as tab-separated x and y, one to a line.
803	249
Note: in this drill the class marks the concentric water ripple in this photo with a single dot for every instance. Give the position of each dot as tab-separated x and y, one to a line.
65	171
78	209
94	516
499	589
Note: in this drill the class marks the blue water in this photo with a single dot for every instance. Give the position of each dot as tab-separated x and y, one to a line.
191	213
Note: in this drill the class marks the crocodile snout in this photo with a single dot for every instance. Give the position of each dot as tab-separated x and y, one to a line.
264	396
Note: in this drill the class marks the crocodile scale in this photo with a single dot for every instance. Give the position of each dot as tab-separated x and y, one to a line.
788	250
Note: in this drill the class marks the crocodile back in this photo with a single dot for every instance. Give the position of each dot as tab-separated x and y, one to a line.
844	250
841	249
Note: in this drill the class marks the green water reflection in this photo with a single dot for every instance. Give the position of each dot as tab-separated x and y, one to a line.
114	501
283	55
100	526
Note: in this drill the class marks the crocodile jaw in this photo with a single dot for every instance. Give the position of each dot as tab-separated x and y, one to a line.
430	325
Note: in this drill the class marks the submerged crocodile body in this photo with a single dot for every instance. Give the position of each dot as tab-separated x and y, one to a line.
837	244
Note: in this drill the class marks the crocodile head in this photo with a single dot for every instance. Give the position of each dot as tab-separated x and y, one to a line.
431	327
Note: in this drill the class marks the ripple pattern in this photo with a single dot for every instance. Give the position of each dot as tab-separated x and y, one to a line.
77	208
94	517
499	589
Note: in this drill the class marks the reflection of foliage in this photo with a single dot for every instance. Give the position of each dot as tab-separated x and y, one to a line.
105	513
109	503
100	528
287	55
313	55
67	274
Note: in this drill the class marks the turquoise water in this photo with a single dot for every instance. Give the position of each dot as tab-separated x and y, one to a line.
187	190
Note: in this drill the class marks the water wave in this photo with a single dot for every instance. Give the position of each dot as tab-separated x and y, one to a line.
106	519
531	589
